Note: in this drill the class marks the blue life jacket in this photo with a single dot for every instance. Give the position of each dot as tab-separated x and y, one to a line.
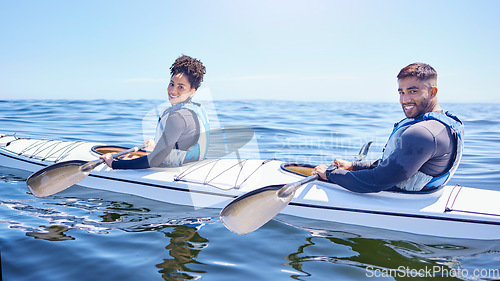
420	180
198	151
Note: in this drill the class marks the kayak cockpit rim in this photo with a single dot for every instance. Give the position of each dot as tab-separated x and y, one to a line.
103	149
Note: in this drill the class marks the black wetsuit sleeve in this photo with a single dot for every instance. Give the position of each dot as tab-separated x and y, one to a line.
362	165
137	163
416	146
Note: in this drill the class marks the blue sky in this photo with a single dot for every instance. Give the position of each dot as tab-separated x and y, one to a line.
284	50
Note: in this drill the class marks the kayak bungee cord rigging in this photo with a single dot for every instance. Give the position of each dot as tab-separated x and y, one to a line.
221	168
52	149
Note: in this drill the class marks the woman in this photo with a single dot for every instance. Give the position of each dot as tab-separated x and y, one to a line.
182	131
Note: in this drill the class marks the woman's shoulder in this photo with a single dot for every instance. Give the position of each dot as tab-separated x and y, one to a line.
181	117
182	113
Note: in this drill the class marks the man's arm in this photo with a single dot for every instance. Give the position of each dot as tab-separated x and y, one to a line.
416	146
363	165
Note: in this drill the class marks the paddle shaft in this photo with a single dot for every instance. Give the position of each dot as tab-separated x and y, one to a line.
133	149
290	188
92	164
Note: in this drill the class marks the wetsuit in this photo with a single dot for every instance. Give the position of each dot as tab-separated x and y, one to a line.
429	147
181	132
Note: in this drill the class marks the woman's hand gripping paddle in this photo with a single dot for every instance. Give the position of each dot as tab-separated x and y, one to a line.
57	177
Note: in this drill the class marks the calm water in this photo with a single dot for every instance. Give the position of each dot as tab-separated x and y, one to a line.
83	234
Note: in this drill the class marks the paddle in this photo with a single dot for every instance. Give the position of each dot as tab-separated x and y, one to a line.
252	210
57	177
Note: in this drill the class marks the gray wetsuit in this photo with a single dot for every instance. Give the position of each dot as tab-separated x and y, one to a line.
181	131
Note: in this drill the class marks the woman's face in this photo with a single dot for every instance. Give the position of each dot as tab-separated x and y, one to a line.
179	89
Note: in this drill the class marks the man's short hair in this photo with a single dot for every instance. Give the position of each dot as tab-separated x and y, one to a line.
422	71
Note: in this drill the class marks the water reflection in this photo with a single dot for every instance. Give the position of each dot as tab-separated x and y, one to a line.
101	216
185	242
449	259
185	245
51	233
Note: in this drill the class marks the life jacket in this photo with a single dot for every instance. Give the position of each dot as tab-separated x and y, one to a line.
197	152
420	180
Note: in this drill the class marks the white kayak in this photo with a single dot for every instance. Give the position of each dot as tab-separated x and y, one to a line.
451	211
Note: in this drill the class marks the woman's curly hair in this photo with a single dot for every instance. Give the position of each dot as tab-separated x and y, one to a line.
192	67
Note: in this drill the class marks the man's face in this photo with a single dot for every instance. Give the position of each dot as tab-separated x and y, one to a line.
415	96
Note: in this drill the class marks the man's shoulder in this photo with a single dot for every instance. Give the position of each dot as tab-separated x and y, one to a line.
433	126
425	129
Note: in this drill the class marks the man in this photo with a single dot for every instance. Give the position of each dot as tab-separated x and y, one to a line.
423	150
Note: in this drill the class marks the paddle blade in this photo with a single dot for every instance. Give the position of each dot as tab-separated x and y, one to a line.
57	177
252	210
